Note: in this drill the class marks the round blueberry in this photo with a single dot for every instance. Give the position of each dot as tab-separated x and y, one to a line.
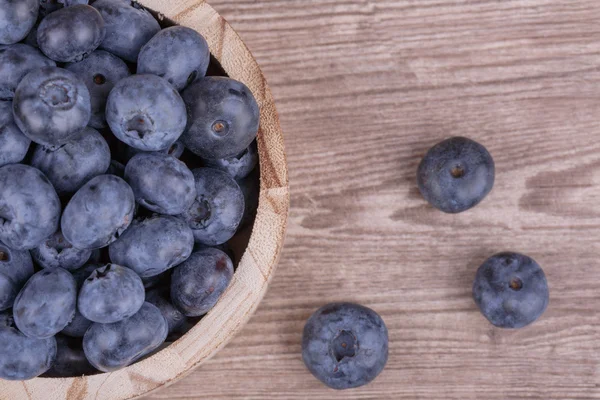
22	357
100	71
178	54
111	294
16	61
17	17
511	290
46	304
198	283
128	28
161	183
109	347
51	105
79	30
70	359
145	112
456	174
223	117
29	207
153	245
70	166
57	252
345	345
161	298
237	167
218	208
98	213
13	144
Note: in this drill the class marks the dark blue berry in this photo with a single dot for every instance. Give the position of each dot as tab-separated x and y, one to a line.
161	183
100	71
345	345
57	252
13	144
80	324
111	294
70	166
29	207
223	117
153	245
237	167
98	213
218	208
70	34
17	17
456	174
109	347
16	61
46	304
511	290
22	357
51	106
16	267
178	54
198	283
128	28
145	112
70	359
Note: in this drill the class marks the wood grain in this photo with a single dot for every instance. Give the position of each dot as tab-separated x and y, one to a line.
364	88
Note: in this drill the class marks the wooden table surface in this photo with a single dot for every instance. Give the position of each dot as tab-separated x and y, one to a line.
364	88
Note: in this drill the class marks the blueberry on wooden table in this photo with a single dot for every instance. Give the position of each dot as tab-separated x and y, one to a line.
456	174
511	290
345	345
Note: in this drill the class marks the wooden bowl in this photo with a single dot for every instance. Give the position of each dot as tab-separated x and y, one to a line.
256	266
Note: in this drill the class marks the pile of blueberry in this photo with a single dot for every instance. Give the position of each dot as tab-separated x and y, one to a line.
126	167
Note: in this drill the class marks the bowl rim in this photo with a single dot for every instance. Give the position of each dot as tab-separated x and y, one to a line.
256	267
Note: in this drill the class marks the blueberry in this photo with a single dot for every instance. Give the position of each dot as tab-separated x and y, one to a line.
510	290
13	144
111	294
29	207
51	105
98	213
22	357
345	345
175	151
128	28
197	284
16	61
100	71
80	324
48	6
161	183
70	166
178	54
109	347
46	304
116	168
70	359
153	245
79	30
57	252
223	117
16	19
145	112
456	174
250	186
16	267
237	167
218	209
161	298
